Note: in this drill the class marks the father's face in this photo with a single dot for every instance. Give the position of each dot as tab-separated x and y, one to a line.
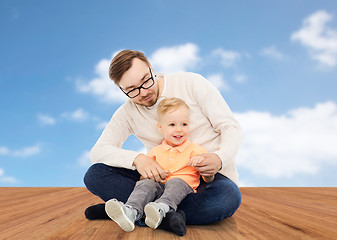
135	77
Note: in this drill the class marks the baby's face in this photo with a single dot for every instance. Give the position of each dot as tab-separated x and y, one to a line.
174	125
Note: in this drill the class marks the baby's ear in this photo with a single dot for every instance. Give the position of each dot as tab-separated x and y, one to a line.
159	128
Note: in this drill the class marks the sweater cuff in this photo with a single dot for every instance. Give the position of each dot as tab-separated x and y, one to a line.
221	158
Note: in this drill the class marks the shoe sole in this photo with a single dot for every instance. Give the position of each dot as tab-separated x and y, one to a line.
116	213
153	217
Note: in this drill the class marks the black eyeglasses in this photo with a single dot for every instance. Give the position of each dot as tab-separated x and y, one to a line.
145	85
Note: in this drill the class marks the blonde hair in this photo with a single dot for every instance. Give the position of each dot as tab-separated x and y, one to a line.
170	104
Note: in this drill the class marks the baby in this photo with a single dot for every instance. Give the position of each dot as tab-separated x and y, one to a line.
177	156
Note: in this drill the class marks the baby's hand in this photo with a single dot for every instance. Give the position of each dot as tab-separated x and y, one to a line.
168	173
195	160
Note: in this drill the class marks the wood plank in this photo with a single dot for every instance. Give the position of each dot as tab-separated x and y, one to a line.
291	213
265	213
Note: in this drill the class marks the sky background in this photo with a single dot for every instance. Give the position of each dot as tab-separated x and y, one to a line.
274	62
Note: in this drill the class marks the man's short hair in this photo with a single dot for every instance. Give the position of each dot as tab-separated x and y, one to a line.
122	62
170	104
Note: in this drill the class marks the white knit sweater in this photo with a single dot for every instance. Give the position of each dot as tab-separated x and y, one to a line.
212	125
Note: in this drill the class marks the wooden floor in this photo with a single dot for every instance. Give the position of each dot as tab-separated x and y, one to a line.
265	213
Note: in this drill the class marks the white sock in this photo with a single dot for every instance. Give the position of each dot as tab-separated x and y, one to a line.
165	207
131	213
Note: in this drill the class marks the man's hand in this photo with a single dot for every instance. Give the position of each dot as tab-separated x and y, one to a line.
148	168
210	165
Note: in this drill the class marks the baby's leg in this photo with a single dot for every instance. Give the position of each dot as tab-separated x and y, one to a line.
145	191
175	191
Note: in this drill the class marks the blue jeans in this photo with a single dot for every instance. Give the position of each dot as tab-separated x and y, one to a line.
212	202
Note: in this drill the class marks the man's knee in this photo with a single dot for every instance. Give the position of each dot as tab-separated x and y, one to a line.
89	174
109	182
229	196
93	173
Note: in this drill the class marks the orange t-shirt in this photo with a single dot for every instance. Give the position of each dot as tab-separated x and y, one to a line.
175	160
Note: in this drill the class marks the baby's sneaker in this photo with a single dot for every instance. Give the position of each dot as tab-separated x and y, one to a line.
117	211
154	214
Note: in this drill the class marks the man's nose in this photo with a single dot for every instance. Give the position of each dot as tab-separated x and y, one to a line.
143	92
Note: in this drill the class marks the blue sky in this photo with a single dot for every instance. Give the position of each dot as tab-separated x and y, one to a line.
275	63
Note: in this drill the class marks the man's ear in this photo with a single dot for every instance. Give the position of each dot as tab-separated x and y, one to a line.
159	128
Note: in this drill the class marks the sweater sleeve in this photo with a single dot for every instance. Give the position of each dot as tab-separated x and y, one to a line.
108	148
215	108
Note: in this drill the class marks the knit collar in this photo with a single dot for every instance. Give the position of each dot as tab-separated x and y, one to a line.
180	148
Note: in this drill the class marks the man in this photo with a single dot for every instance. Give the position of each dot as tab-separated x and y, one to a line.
116	170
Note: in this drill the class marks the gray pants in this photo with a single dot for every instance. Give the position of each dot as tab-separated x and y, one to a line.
147	190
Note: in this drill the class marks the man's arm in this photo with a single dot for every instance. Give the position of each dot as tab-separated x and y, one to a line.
108	148
214	107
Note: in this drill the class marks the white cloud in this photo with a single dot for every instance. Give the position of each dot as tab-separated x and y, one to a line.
84	159
174	59
6	179
221	84
243	183
78	115
23	152
218	81
318	38
46	119
4	151
101	86
27	152
299	142
166	59
273	52
227	58
101	125
240	78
